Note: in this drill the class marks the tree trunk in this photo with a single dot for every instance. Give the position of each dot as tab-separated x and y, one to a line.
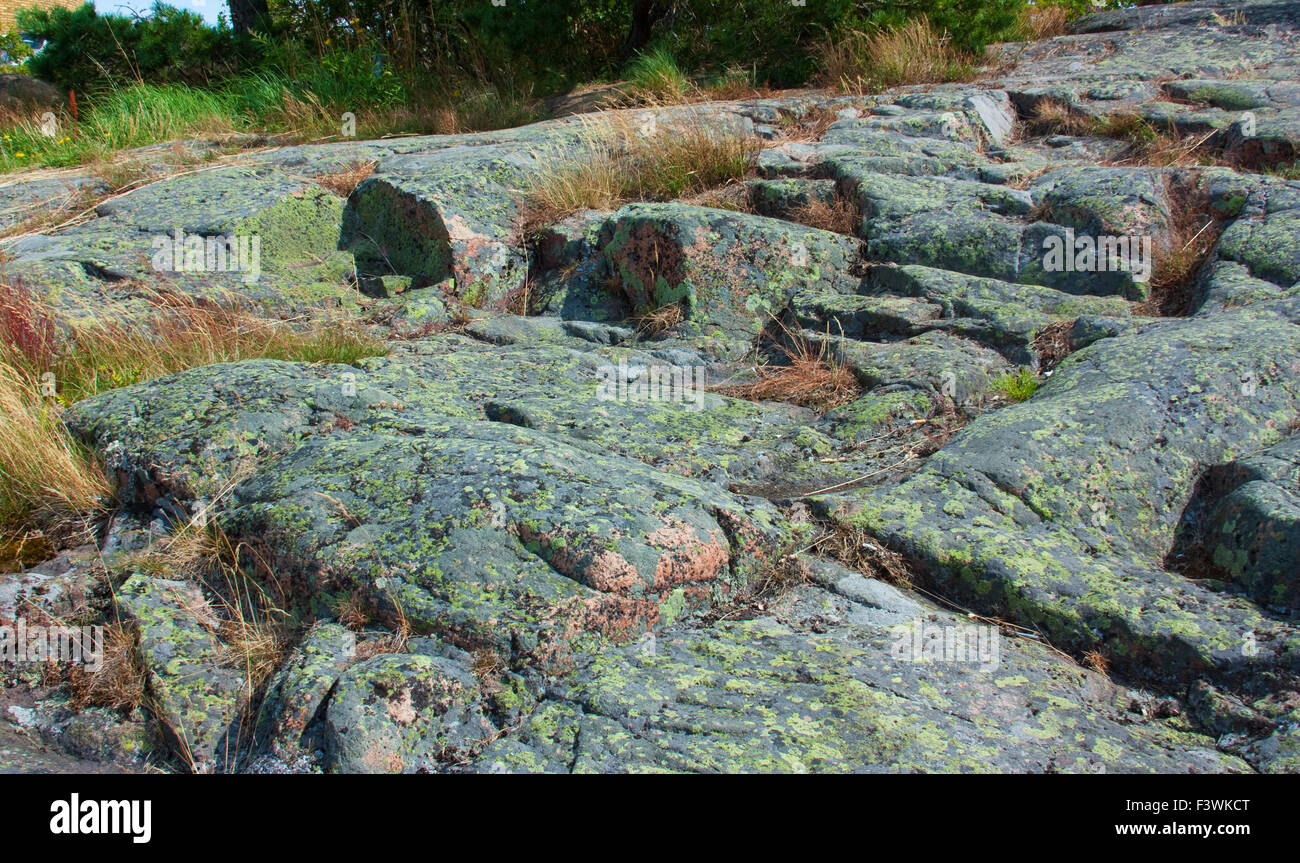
645	15
247	14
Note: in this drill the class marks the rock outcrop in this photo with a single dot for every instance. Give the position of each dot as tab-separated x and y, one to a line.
570	562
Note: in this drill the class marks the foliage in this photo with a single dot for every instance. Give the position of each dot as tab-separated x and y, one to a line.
87	51
655	75
1015	386
13	49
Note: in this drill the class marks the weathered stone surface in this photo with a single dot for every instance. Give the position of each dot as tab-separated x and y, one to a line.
1063	508
500	536
728	271
196	690
398	713
1252	531
193	434
512	547
827	683
302	684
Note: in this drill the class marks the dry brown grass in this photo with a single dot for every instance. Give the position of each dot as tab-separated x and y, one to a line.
344	181
810	376
246	617
235	607
22	548
1148	145
1236	18
1043	21
385	610
487	667
660	320
469	109
808	126
634	156
734	87
120	684
1053	117
916	53
123	174
859	550
47	480
1024	179
840	216
179	332
1194	231
257	642
776	579
1052	344
351	610
732	196
1171	150
393	641
183	554
1097	661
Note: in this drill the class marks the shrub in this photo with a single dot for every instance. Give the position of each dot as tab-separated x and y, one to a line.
86	50
13	49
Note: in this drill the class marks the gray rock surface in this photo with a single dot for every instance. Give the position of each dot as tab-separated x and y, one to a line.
1051	523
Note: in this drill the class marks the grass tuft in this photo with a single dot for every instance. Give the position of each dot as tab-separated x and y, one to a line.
1194	232
182	333
840	216
120	684
654	77
1043	21
1016	386
1147	144
344	181
48	480
809	376
916	53
629	160
660	320
859	550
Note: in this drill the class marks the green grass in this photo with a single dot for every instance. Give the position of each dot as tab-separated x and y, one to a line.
135	116
1284	171
1015	386
256	103
654	76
